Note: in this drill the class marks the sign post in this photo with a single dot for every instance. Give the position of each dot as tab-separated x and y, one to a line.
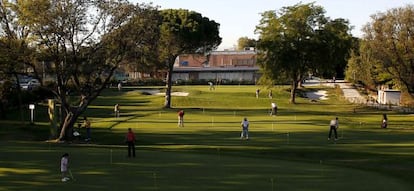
31	107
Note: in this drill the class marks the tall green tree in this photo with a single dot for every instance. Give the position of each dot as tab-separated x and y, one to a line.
184	32
245	42
336	41
364	68
299	39
389	40
16	53
84	42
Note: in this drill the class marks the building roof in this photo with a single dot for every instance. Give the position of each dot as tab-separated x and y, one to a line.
390	90
228	52
215	69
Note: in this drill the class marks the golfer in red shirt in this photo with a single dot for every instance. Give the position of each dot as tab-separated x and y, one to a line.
130	139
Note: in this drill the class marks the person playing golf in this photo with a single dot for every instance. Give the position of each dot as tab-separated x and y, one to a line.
245	129
274	108
116	110
181	118
130	140
211	86
87	125
64	162
384	123
334	124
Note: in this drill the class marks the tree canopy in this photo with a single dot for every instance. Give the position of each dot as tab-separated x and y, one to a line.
245	42
184	31
81	42
386	52
299	40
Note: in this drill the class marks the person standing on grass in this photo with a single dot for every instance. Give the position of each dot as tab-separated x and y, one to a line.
64	163
87	125
116	110
334	124
211	86
119	86
130	140
384	123
274	108
257	93
181	118
245	129
270	94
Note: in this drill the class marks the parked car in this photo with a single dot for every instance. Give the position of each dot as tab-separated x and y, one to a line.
28	84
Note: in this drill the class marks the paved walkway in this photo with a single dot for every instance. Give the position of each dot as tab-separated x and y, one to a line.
350	93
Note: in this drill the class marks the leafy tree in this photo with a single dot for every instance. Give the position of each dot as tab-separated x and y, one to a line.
244	42
389	41
16	55
300	39
363	68
336	41
184	32
84	42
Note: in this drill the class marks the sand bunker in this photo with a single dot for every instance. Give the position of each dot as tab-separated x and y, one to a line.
175	94
149	91
157	92
318	95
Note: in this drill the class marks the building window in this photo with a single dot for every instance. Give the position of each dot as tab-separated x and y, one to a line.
243	62
184	63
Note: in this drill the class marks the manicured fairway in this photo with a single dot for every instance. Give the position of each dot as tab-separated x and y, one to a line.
35	167
286	152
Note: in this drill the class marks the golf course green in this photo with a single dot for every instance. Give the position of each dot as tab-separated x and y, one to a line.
289	151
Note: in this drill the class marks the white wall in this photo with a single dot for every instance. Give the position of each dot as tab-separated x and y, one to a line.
389	97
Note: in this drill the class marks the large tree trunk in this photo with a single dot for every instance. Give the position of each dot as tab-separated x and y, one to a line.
67	127
73	112
293	88
167	103
19	98
69	121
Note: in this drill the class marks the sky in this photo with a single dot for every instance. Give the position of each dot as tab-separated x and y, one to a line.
239	18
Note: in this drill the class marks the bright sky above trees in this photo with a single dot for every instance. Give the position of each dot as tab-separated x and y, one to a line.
239	18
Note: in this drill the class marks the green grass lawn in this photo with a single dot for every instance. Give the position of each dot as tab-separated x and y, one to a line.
286	152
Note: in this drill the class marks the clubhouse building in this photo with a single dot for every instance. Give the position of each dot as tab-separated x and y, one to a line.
219	66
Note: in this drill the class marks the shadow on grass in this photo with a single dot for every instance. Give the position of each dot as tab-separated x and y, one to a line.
243	165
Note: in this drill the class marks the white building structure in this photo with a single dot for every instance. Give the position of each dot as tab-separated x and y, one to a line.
392	97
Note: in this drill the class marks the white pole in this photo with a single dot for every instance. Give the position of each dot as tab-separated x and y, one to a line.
31	107
320	162
288	138
111	156
31	116
155	179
